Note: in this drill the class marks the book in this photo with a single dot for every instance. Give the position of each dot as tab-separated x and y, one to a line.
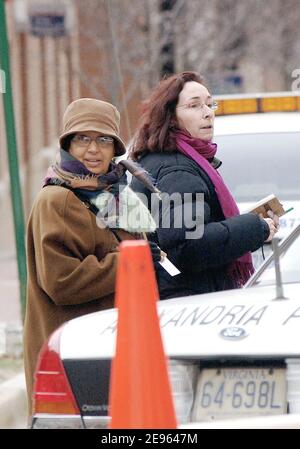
270	202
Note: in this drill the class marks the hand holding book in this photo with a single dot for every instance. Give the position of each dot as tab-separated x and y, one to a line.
269	203
270	209
273	223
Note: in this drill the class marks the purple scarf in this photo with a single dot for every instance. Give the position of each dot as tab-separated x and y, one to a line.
200	151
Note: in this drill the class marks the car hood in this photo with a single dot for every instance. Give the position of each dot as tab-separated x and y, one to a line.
237	323
287	221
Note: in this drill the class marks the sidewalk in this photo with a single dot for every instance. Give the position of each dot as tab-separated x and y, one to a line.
10	308
13	401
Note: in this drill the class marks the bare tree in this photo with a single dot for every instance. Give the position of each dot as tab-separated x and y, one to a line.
221	35
121	42
122	32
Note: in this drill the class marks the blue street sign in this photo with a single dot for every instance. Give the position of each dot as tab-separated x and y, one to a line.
43	25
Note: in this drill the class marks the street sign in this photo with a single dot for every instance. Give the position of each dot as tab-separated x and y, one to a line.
52	25
47	18
44	18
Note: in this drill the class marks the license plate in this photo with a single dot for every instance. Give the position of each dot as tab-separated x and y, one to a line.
239	392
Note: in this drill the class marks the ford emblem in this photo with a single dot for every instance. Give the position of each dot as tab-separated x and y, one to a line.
233	333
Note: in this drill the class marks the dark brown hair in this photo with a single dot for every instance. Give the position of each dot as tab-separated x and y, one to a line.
66	143
158	119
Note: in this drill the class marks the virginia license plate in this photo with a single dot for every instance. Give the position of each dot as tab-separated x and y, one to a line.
239	392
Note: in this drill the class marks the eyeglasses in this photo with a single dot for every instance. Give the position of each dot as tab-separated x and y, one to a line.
197	105
84	141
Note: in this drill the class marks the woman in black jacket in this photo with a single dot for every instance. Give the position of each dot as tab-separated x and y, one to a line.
200	228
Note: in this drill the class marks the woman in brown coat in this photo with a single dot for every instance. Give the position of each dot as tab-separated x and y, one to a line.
72	256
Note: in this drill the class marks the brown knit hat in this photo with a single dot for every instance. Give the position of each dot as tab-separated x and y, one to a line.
89	114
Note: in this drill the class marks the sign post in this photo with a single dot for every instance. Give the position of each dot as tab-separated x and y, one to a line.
11	143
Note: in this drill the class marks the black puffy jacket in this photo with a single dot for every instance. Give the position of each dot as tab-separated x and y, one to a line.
203	262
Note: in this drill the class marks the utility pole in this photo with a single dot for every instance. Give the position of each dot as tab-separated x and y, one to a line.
11	143
167	36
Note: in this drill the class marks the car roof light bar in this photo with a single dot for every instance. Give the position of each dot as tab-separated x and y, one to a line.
255	103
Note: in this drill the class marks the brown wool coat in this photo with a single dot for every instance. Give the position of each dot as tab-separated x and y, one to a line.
71	268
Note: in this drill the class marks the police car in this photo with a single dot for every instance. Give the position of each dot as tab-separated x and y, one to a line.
231	354
258	137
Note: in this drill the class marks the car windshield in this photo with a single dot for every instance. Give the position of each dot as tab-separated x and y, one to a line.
256	164
289	266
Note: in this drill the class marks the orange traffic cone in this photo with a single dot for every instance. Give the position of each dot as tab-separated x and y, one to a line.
140	393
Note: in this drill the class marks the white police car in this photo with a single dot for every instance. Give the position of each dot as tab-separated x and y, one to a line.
259	143
232	354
